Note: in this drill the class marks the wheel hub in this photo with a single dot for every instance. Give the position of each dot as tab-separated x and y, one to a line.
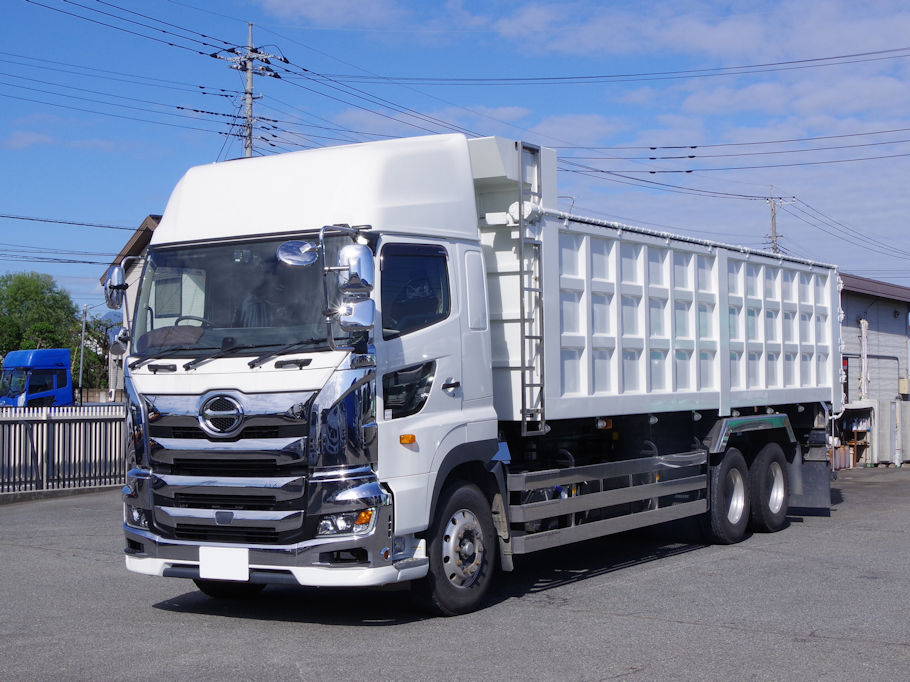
776	495
462	548
736	496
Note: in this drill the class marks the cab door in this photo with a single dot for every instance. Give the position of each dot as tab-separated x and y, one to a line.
419	370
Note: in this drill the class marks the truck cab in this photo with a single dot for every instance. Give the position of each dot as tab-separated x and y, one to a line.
36	378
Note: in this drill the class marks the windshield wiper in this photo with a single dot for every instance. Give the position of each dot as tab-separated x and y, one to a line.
165	354
230	350
284	349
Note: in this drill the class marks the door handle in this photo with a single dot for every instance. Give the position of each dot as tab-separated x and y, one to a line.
450	385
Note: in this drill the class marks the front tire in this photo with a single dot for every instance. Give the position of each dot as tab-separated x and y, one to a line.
462	551
769	486
729	513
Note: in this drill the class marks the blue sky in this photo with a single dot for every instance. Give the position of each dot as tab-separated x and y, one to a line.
101	116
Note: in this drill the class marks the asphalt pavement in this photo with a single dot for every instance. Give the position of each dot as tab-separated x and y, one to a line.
826	598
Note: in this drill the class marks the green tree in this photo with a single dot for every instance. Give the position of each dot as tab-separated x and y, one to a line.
98	333
35	313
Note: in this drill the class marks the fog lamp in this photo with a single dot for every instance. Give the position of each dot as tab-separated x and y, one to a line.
347	523
136	517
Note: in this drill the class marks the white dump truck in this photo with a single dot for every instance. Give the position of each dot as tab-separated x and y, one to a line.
397	362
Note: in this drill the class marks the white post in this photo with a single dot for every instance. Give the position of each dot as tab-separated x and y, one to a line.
82	350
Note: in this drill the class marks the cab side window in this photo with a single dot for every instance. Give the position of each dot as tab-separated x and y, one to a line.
415	288
60	375
41	380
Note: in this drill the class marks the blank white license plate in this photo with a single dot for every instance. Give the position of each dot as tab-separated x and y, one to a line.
224	563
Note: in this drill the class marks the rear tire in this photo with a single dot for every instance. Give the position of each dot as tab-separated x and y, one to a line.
462	551
728	515
769	486
227	589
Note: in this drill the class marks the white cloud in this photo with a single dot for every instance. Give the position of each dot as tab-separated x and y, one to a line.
768	98
22	139
581	129
737	30
338	13
94	144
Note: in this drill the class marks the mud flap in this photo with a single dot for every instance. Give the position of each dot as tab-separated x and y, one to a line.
810	484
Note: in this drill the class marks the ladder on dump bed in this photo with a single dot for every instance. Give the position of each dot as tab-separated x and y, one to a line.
530	266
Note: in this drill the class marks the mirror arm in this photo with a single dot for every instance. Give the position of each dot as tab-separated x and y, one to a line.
326	268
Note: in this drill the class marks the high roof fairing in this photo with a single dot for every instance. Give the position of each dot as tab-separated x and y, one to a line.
419	185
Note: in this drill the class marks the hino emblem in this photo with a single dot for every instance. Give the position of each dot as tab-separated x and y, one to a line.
221	415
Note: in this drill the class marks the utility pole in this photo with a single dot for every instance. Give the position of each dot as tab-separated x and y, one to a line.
245	61
774	248
82	350
774	201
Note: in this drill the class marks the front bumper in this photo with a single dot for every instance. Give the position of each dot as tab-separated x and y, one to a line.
308	563
213	543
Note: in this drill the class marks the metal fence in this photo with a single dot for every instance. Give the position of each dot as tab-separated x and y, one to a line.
48	448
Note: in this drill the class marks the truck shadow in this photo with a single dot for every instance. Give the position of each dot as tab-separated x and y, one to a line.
356	607
533	574
551	569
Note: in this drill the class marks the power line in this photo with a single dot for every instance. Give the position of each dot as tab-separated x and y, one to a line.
25	248
374	99
744	144
822	225
847	230
169	84
618	177
479	114
116	28
61	221
8	258
632	77
121	116
166	23
108	94
738	154
770	165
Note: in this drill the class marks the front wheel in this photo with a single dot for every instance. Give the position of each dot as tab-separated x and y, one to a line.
728	515
769	486
462	551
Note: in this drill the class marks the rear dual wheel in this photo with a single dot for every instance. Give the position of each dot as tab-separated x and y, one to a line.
743	496
769	488
728	515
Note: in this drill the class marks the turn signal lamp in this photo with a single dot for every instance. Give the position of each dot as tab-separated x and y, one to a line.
407	439
345	523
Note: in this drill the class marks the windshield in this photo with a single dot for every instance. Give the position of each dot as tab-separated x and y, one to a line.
12	382
200	299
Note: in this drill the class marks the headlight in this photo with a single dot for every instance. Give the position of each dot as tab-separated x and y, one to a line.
347	523
135	516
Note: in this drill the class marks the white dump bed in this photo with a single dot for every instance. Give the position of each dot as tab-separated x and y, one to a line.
642	322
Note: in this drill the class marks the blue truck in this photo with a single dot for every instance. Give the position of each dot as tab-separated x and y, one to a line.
36	378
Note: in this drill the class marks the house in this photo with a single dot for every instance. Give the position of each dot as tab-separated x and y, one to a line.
875	426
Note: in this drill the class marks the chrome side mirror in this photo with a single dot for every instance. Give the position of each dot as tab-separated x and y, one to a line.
118	345
114	287
355	270
357	315
297	253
